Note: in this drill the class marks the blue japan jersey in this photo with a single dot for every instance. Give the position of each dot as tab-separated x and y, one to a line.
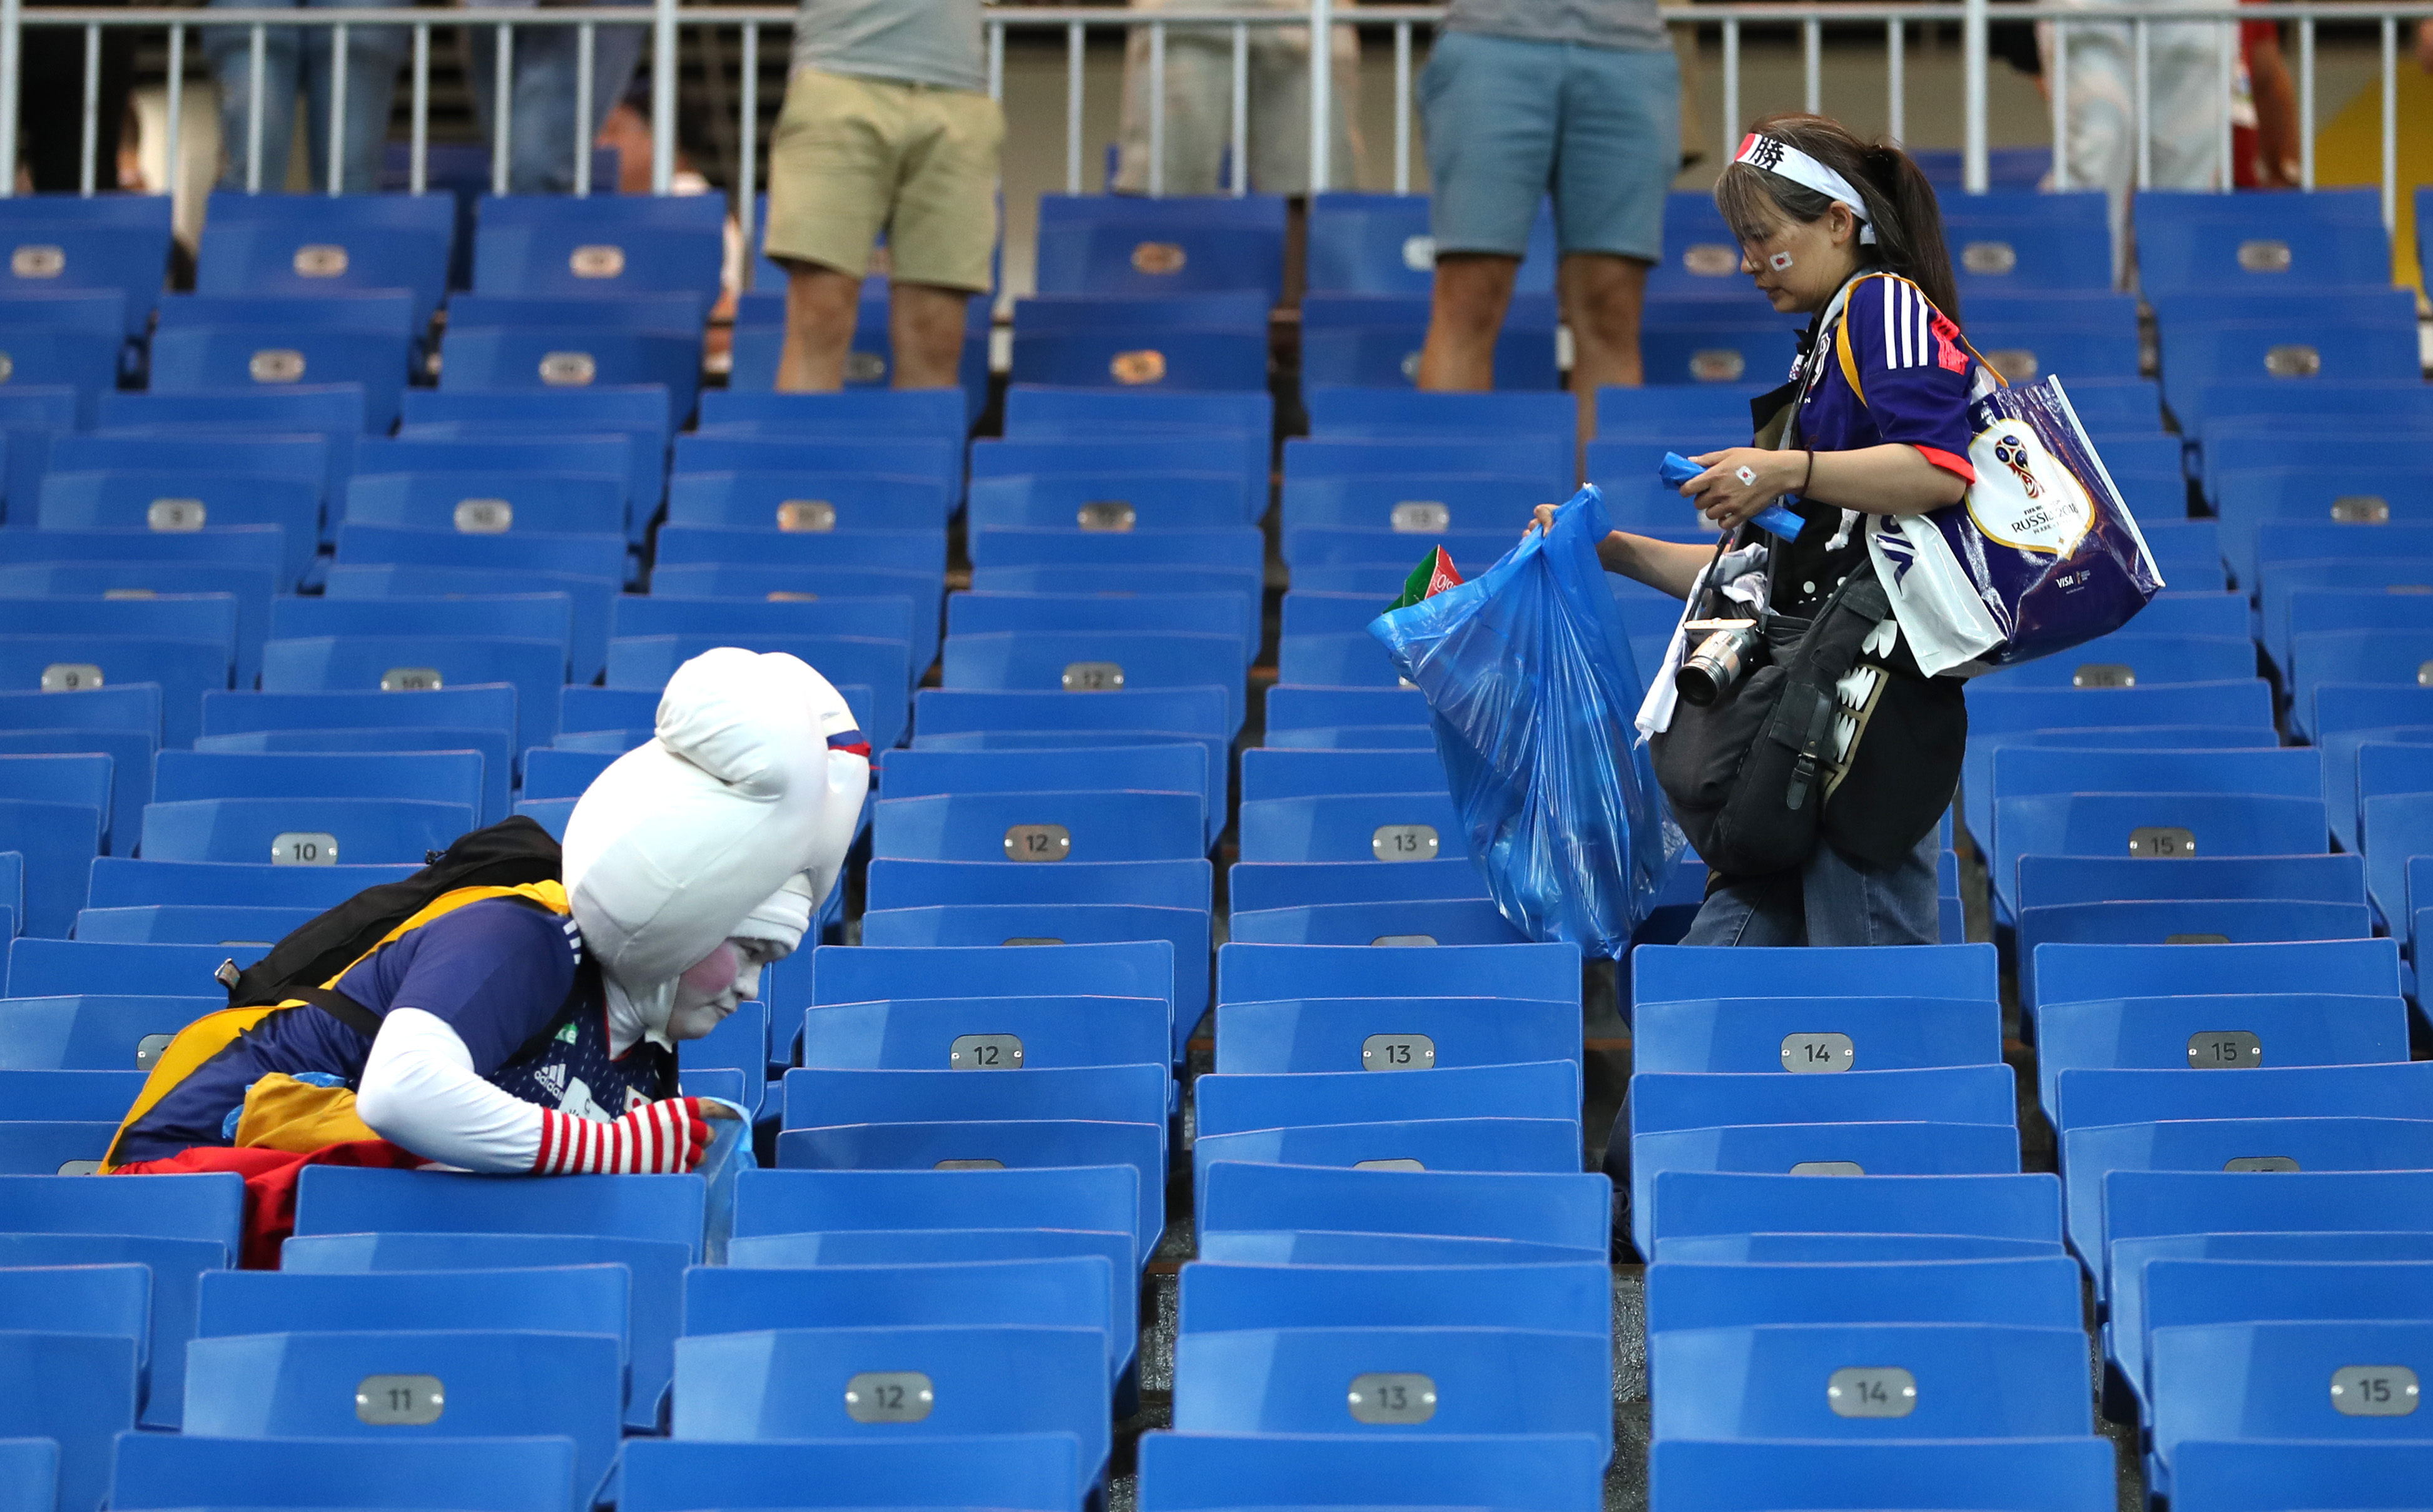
1889	368
502	974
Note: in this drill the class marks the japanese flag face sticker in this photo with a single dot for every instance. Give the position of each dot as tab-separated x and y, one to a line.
1780	261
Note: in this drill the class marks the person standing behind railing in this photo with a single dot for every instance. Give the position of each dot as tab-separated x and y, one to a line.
543	82
295	60
1519	97
887	127
1199	107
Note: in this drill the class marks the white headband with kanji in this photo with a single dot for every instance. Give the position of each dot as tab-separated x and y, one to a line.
1779	157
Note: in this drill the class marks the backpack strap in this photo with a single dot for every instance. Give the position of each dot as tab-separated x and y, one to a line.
356	1016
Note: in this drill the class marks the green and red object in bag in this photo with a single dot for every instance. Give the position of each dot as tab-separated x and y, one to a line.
1435	573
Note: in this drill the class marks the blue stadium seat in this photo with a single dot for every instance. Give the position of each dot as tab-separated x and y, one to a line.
530	562
1122	244
1761	1034
1033	1144
2088	1097
87	1399
1374	341
655	1271
539	616
2100	823
1113	500
423	663
1046	826
1031	1473
174	1267
2253	1476
82	1096
2032	1292
1252	885
608	244
59	841
2068	1474
901	884
2147	658
1234	1103
760	498
1067	1291
2189	242
71	338
194	357
434	776
2048	880
1883	1380
507	1385
1093	1199
1425	922
331	1200
998	924
147	498
1176	767
184	670
1571	1297
55	1146
1680	972
493	1474
94	1032
190	924
868	974
2078	973
1048	1032
1196	342
303	831
2001	1206
1258	974
1399	828
121	241
2196	1031
320	244
1436	1381
489	503
2184	921
2183	1294
1541	1146
780	1386
1342	1034
2005	243
2217	1145
575	354
1529	1473
1379	244
1539	1211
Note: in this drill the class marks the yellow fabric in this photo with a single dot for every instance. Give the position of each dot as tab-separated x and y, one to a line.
2348	152
194	1043
214	1032
281	1113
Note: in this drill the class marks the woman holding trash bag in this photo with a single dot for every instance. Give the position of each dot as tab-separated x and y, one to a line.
1825	836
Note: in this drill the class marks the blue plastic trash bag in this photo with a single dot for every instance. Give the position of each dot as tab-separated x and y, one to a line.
1530	687
2041	555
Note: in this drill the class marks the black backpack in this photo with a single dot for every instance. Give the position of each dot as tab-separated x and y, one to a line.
511	853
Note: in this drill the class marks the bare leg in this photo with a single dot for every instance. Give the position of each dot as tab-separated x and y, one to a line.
821	304
1601	295
926	323
1473	290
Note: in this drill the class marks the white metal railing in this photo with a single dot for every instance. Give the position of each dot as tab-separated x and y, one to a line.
665	18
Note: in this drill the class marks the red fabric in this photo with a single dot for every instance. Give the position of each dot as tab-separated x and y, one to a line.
1950	463
270	1184
658	1137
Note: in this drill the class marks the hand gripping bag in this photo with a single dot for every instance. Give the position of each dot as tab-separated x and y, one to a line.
2041	554
1530	687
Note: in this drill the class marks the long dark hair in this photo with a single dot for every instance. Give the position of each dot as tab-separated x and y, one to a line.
1901	204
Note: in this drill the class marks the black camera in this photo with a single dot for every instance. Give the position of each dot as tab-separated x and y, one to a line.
1721	657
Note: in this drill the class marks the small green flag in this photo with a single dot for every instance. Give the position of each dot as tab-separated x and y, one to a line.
1435	573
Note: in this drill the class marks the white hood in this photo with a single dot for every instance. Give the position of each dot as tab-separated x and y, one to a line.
735	820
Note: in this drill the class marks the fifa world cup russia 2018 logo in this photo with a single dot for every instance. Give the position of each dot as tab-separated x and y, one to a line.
2013	453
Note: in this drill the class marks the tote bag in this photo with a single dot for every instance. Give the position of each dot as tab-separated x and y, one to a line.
2040	555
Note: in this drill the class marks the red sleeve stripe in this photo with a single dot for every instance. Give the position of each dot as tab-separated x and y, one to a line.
1959	467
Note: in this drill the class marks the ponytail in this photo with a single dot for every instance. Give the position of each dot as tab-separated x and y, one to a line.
1901	204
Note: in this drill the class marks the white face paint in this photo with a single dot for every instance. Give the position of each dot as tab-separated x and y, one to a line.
1780	261
714	986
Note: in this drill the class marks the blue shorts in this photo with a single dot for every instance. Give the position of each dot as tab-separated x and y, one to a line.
1510	120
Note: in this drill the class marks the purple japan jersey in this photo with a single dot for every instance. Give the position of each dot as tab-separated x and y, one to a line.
1896	370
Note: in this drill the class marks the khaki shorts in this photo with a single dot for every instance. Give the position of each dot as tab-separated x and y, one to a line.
853	157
